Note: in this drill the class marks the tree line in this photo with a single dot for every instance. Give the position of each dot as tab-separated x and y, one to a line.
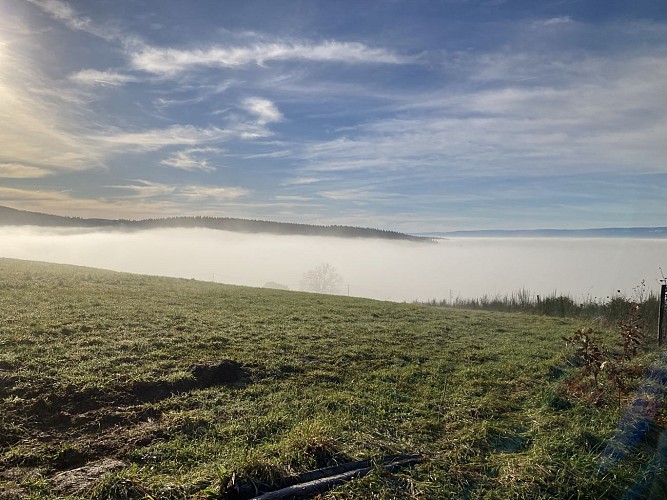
10	216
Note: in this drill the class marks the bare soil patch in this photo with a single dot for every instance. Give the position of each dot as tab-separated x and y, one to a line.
76	481
75	436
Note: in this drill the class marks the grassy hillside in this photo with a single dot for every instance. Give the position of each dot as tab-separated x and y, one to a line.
125	386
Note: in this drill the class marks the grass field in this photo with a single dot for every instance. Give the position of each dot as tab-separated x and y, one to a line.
124	386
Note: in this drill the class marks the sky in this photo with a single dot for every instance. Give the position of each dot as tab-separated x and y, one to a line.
415	116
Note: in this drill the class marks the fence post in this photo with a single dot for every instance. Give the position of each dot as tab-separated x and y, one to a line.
662	321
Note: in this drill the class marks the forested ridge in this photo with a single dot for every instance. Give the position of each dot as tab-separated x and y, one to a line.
13	217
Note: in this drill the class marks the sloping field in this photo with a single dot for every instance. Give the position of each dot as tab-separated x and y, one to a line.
124	386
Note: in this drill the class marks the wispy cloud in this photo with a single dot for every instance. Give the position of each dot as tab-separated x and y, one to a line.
95	77
19	171
300	181
265	110
554	21
608	115
357	195
170	61
63	203
221	193
176	135
148	189
283	153
38	125
191	159
293	198
63	12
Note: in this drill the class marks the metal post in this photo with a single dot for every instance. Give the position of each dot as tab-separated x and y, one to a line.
662	321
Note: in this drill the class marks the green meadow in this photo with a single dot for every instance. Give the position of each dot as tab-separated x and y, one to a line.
115	385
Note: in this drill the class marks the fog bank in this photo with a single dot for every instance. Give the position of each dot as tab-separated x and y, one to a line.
381	269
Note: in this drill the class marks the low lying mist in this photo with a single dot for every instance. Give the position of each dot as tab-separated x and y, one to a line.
381	269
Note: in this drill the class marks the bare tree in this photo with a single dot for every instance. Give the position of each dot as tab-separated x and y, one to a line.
323	279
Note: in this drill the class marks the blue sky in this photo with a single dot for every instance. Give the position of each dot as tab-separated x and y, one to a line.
406	115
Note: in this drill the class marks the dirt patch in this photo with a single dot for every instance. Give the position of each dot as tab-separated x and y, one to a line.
219	373
75	457
76	435
10	493
206	374
7	381
76	481
11	476
50	407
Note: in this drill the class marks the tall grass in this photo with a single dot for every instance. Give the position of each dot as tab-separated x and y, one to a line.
611	310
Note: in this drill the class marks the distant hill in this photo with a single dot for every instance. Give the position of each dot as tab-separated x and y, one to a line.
608	232
14	217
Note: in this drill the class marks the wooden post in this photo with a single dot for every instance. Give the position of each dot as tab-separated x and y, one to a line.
662	321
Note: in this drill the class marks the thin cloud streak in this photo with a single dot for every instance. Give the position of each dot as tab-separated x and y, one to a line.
94	77
170	62
147	189
176	135
356	195
63	203
191	159
18	171
63	12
